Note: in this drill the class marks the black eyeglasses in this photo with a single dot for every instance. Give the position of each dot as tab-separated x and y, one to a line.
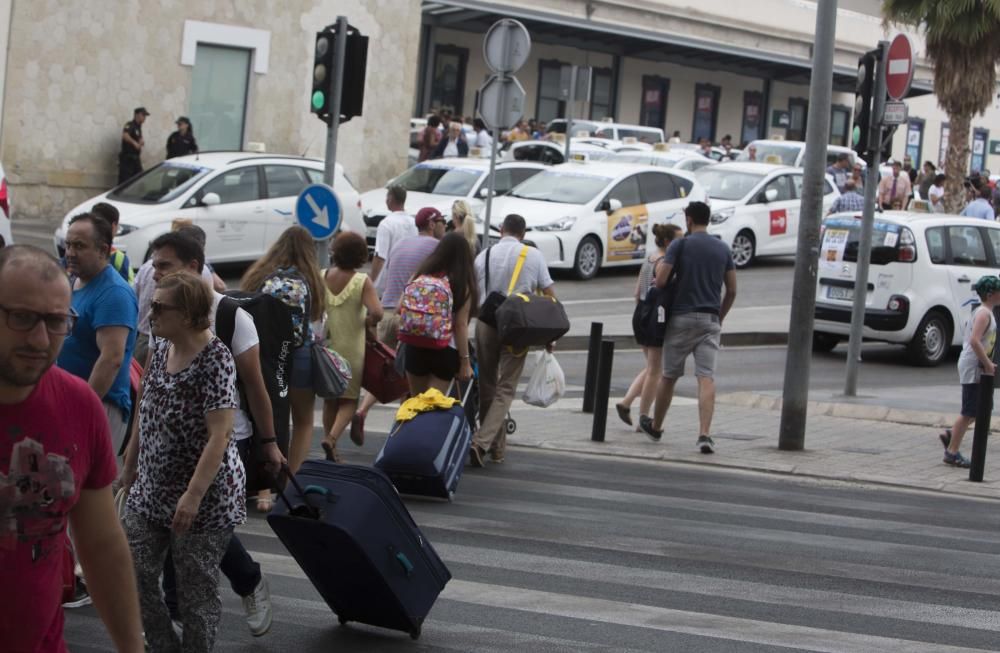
58	324
158	307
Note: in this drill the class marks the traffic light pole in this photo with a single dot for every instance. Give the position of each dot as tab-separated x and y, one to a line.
867	226
336	93
795	396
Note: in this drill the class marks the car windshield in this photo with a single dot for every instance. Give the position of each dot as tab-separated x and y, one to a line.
842	235
727	184
561	187
160	184
772	153
439	180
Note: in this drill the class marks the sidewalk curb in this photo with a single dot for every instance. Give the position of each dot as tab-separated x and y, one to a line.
784	470
869	412
738	339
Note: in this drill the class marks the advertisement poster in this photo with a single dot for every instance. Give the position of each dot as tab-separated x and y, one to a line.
627	229
779	222
832	249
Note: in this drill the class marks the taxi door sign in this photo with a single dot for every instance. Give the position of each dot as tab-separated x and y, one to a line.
779	222
627	230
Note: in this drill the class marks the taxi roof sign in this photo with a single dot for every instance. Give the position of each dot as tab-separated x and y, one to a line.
582	133
557	137
630	140
661	147
579	157
772	158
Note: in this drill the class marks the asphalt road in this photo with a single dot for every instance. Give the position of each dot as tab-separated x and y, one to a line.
565	553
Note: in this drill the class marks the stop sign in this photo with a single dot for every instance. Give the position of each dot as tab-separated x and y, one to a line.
899	68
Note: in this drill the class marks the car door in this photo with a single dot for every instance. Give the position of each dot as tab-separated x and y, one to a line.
283	183
227	224
624	231
776	220
967	261
664	199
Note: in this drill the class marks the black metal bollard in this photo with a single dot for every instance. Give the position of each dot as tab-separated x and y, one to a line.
603	390
982	432
593	359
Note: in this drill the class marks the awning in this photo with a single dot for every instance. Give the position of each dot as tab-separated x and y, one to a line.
597	36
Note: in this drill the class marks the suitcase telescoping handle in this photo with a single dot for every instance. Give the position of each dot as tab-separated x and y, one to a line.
305	510
456	383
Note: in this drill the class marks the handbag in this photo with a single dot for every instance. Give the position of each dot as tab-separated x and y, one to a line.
657	305
331	373
380	377
531	321
493	301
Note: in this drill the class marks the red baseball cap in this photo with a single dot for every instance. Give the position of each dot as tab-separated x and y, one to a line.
426	216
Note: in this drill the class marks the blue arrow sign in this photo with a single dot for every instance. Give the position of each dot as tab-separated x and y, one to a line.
318	210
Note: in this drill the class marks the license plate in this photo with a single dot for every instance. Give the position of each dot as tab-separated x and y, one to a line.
836	292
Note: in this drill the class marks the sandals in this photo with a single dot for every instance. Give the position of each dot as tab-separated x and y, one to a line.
264	504
331	451
625	413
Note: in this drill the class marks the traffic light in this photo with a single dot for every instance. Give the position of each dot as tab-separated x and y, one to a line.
319	99
863	95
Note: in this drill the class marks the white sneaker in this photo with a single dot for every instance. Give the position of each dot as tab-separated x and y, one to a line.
258	608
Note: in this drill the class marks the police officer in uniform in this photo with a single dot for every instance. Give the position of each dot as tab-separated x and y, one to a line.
182	142
129	164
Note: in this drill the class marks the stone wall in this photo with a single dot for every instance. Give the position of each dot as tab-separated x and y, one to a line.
77	68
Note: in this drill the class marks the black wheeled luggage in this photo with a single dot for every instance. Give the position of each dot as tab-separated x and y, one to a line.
349	531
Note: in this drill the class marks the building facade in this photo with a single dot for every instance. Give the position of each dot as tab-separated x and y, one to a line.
74	70
740	69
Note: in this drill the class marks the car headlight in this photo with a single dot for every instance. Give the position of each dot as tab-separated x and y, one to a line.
562	224
722	215
125	229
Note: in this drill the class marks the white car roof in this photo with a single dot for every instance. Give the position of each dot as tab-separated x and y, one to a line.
613	169
918	218
477	162
767	141
755	167
217	160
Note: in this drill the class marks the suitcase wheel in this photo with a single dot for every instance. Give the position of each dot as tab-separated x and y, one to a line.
415	633
510	425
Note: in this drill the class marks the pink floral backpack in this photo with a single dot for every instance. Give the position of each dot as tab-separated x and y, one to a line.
425	312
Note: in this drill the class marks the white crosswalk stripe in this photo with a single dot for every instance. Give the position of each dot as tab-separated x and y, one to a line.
561	553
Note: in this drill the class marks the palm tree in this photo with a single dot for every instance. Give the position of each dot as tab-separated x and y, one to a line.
963	46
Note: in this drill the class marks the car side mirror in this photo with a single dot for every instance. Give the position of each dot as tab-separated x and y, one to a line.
611	205
770	194
484	191
211	199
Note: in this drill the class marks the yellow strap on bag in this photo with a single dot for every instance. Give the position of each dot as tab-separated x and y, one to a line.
517	269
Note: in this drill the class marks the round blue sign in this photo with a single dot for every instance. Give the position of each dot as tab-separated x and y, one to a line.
318	210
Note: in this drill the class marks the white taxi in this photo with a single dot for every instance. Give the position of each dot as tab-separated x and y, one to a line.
585	215
439	182
919	291
790	153
243	201
756	206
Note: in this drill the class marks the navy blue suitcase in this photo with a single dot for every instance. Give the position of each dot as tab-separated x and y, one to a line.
349	531
426	455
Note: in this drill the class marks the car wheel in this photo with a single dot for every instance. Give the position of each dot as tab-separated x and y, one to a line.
588	259
932	340
824	342
744	248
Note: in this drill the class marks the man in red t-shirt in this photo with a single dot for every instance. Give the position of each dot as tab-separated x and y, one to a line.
56	465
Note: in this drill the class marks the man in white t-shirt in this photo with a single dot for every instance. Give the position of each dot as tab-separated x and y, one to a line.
483	139
394	227
173	252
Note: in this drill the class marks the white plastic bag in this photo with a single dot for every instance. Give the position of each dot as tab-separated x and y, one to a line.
547	382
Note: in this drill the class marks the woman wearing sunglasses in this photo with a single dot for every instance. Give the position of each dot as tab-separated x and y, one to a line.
188	492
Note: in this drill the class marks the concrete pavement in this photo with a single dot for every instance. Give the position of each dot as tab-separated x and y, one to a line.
844	440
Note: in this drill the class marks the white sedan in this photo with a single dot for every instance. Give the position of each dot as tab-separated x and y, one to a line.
756	206
243	202
680	159
438	183
585	215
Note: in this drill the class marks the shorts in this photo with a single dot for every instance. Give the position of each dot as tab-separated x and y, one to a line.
442	363
301	368
970	400
687	333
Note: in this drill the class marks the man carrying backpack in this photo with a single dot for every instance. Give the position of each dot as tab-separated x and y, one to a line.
499	367
173	252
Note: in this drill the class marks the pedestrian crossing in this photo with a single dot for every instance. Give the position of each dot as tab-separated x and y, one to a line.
556	552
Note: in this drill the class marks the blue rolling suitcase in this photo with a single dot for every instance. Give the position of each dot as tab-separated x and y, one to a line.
426	455
349	531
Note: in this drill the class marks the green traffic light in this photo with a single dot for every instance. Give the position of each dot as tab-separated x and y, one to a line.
856	135
318	100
